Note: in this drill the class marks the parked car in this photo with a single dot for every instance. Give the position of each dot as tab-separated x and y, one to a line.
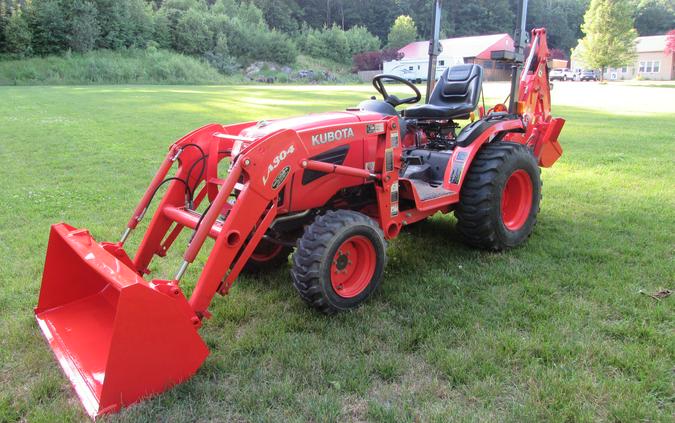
562	74
586	75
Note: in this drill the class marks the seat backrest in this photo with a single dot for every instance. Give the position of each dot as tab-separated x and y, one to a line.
460	84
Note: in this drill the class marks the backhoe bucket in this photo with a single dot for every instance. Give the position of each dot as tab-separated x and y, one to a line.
118	337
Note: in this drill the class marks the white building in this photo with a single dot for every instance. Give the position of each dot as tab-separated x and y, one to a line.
652	62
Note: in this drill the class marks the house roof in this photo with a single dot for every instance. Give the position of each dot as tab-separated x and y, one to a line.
479	46
652	43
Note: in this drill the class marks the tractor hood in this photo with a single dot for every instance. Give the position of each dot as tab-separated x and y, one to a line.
312	121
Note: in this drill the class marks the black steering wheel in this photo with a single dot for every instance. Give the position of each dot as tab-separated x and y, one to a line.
392	99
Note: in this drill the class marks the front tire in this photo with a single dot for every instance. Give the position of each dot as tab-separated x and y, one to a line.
339	261
500	197
267	256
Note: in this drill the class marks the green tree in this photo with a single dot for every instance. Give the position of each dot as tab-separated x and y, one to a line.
376	16
167	17
84	29
123	23
248	36
17	35
654	17
161	29
402	32
140	23
561	18
193	35
480	17
609	34
224	7
49	28
280	14
249	14
4	17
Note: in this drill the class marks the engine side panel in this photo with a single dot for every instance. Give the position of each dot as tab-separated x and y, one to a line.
359	139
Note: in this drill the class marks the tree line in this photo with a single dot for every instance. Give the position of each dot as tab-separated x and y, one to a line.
231	33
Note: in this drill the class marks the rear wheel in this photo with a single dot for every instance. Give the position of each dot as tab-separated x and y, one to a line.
339	261
500	197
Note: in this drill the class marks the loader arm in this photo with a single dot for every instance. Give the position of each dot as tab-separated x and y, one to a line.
242	204
120	337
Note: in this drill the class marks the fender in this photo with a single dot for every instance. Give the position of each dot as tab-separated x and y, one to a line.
462	157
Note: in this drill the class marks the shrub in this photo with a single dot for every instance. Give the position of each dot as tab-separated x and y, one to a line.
372	60
360	40
220	57
334	43
259	43
276	47
337	45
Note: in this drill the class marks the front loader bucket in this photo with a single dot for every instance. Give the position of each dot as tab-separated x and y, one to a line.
117	337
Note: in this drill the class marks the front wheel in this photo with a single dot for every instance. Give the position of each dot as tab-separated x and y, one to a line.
339	261
267	256
499	199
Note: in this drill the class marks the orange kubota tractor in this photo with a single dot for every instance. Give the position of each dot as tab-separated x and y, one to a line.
334	186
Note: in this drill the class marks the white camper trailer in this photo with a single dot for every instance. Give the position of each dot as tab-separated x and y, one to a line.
476	49
416	70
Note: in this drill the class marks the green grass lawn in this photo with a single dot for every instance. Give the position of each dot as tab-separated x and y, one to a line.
554	331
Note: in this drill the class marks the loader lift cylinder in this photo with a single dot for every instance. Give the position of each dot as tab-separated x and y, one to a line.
209	218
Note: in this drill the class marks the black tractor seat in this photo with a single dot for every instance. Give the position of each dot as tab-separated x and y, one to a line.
455	95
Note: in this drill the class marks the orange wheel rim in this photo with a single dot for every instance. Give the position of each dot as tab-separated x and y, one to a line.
516	200
353	266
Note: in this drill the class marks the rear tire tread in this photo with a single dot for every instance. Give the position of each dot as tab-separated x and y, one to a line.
475	222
